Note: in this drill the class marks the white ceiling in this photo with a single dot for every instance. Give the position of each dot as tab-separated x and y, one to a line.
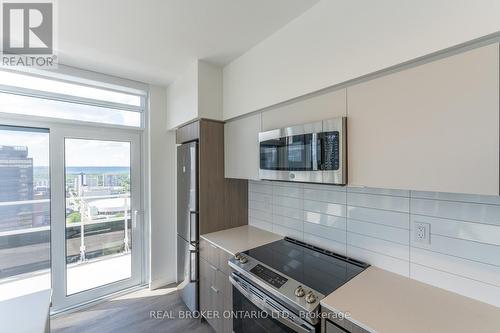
154	41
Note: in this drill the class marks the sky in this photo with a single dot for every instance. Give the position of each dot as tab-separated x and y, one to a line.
37	143
78	152
96	153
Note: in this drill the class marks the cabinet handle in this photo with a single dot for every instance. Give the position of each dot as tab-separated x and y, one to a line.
214	289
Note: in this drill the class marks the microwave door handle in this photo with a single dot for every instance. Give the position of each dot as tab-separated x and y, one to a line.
314	151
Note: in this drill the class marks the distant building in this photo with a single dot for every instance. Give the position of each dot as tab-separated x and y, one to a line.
16	182
107	207
111	180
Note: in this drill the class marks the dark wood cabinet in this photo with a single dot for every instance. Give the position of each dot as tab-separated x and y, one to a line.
223	203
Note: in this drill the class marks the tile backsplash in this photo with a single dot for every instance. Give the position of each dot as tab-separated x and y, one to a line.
377	226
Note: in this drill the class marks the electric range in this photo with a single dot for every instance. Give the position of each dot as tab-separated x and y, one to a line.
285	281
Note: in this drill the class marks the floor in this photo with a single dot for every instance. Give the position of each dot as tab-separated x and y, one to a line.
132	313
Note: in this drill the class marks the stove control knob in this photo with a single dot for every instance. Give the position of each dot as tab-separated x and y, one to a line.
243	260
310	297
237	256
299	291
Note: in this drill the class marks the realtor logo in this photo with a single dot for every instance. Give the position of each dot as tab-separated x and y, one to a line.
28	34
27	28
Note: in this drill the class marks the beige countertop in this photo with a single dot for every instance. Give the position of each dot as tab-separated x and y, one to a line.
384	302
241	238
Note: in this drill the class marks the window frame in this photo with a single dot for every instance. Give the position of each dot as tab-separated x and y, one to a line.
55	125
84	78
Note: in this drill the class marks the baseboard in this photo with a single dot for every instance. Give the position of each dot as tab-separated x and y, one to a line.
158	283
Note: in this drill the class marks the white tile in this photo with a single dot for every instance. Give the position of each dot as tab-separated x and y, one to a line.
288	191
326	220
319	230
288	222
393	219
463	267
289	212
392	234
256	196
288	232
388	263
325	187
460	285
380	191
287	202
260	187
260	224
457	210
474	198
386	202
326	196
379	245
325	243
325	208
484	233
260	215
485	253
260	205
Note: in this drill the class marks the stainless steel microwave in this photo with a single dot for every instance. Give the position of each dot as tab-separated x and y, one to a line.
312	153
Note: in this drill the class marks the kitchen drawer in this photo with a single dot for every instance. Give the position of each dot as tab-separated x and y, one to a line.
209	252
223	258
208	271
332	328
220	282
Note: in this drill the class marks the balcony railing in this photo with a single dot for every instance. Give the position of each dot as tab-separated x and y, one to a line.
92	236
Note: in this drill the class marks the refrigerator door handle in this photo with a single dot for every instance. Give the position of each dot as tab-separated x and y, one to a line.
193	228
192	274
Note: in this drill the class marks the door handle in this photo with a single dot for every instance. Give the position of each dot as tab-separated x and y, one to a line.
134	219
193	229
192	277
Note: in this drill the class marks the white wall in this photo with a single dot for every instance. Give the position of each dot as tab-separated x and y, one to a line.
209	91
162	198
195	94
375	225
336	41
182	98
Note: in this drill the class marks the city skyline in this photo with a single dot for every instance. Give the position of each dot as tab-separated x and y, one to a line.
79	152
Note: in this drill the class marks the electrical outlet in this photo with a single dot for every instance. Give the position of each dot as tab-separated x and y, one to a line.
422	232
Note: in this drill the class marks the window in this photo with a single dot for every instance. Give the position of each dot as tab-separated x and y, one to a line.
71	180
24	210
24	94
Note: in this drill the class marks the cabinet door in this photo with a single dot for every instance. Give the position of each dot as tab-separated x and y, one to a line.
434	127
312	109
241	147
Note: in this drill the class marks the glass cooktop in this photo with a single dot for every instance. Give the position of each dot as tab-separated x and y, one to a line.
316	268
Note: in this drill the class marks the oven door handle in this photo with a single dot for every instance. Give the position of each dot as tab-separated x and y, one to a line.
276	310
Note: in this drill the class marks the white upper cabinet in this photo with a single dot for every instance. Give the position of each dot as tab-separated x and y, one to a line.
434	127
315	108
241	147
196	94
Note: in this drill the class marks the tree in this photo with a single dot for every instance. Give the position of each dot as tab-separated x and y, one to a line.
74	217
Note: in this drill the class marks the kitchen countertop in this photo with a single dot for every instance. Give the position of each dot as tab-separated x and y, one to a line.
384	302
241	238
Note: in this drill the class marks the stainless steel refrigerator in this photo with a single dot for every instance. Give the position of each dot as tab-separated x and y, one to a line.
187	224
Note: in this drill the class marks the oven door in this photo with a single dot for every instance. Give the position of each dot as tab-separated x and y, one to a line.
255	311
